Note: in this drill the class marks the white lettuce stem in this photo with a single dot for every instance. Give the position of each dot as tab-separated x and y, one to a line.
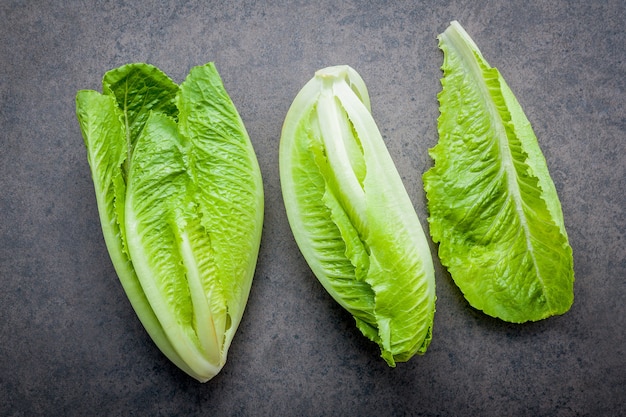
205	325
333	126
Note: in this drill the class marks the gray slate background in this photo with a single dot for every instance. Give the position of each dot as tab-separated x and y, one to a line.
70	345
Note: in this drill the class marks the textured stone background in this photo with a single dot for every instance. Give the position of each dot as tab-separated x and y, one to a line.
70	345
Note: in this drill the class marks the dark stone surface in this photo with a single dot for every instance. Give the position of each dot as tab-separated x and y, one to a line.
71	345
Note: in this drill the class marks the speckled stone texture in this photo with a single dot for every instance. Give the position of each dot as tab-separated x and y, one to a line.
70	344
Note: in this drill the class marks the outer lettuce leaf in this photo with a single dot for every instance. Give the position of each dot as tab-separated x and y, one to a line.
351	216
152	148
225	170
103	128
493	207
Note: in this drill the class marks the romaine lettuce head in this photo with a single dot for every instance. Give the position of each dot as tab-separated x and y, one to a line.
180	200
493	207
351	216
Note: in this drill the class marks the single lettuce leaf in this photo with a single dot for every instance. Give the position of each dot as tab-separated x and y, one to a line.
351	215
160	159
103	128
493	207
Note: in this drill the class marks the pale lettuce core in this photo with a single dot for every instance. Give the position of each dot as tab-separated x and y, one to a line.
352	217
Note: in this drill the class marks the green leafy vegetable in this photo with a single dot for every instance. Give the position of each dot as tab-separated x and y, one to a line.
351	216
493	207
180	199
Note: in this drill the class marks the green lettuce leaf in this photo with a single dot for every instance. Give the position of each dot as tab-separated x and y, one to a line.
493	207
180	199
351	216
